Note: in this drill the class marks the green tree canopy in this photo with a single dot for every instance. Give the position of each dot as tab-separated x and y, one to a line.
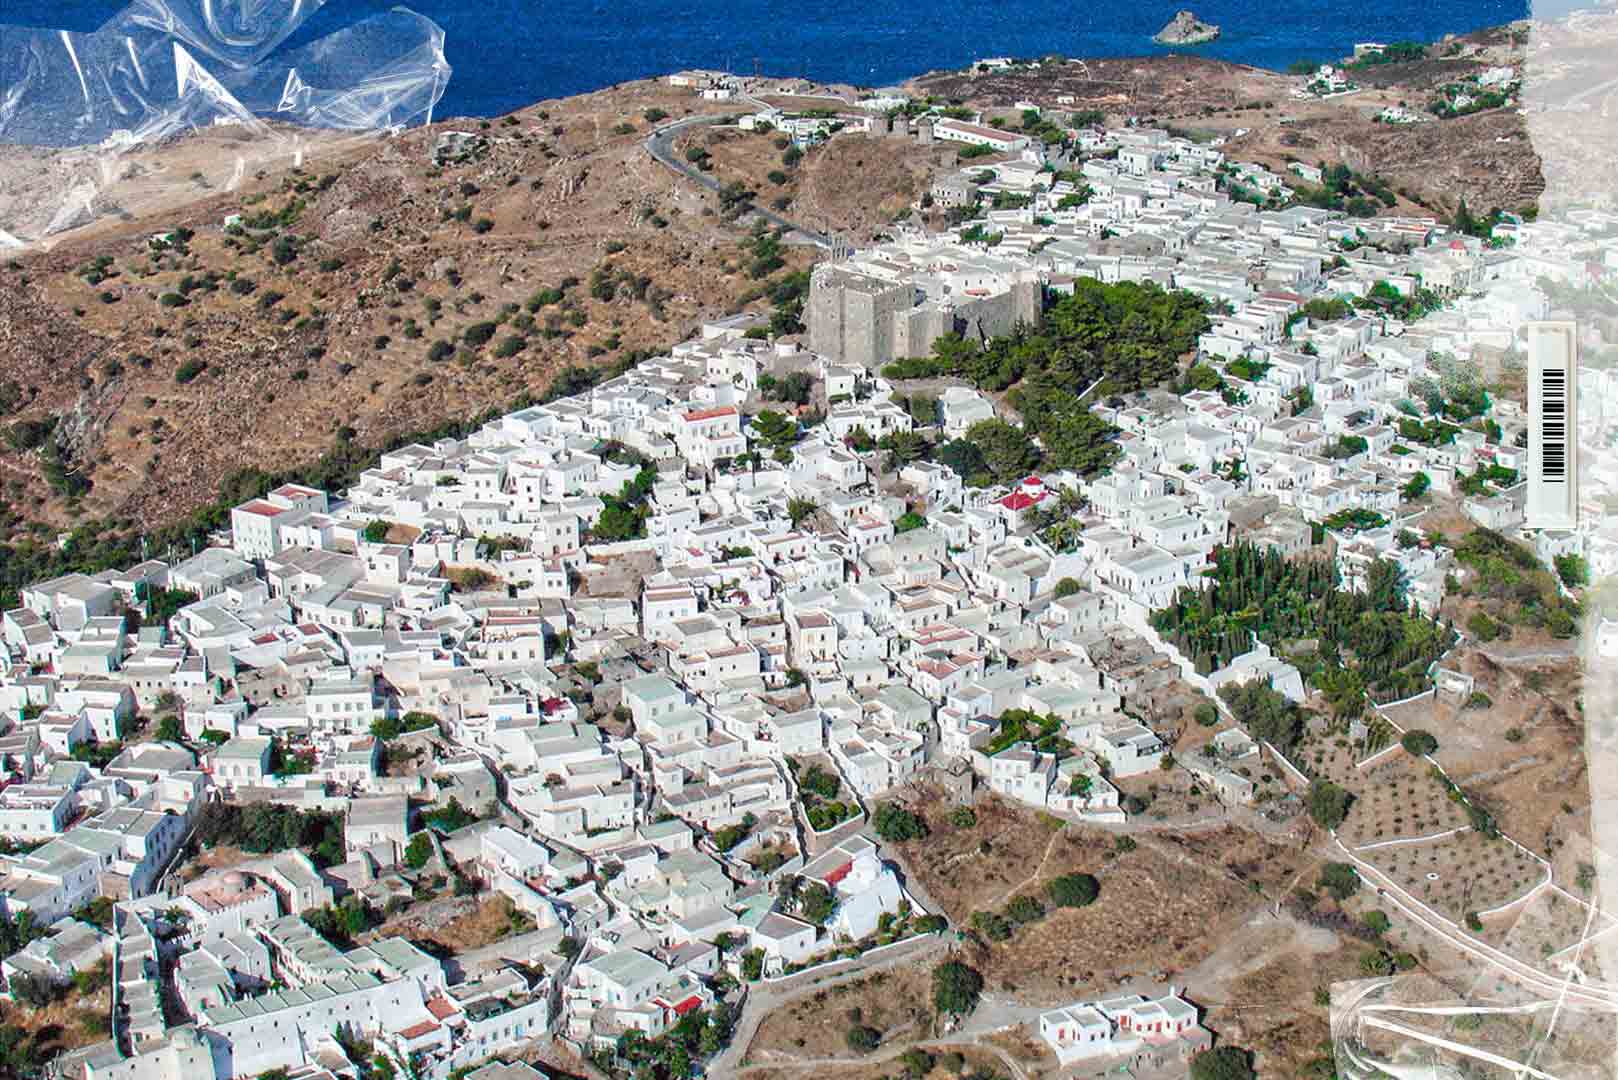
1419	742
1073	890
893	823
1341	880
956	987
1008	453
1223	1063
1328	803
419	850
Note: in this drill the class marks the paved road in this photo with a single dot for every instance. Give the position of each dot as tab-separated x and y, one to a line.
660	144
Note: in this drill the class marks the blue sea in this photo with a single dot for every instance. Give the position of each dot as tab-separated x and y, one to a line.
510	53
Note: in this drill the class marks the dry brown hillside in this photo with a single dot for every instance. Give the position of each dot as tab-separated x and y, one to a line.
856	183
373	293
1486	157
558	242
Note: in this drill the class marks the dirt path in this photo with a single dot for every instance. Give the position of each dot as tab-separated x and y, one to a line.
1032	879
888	1054
763	999
1571	652
992	1014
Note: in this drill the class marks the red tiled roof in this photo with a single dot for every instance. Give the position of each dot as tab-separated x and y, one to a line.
416	1031
261	508
1018	501
709	414
688	1005
440	1007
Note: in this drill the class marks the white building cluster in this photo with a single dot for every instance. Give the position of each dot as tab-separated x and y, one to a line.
646	620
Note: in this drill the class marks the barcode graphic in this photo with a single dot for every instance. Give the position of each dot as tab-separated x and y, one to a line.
1553	425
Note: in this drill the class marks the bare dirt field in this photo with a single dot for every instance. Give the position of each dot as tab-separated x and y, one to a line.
1172	905
457	925
219	857
881	1065
77	1019
970	869
854	182
896	1002
1522	757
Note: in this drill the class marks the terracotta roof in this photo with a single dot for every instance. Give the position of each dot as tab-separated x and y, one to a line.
709	414
416	1031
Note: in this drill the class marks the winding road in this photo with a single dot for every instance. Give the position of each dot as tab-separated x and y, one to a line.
660	144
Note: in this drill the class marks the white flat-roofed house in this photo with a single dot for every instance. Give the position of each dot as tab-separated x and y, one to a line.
374	820
106	704
241	762
255	531
962	407
510	852
651	697
1148	575
138	843
864	886
1077	1032
1129	749
71	946
210	572
30	634
704	436
70	601
343	705
33	812
1151	1031
811	638
53	880
620	979
1004	142
662	607
785	940
1020	772
359	762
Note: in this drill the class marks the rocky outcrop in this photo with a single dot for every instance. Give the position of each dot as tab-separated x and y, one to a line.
1186	29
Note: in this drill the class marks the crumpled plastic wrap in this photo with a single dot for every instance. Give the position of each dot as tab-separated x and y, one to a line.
84	116
1421	1027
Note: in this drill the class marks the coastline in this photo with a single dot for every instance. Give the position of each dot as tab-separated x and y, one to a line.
586	50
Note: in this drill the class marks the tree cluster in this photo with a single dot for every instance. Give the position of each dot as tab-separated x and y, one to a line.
264	827
1368	641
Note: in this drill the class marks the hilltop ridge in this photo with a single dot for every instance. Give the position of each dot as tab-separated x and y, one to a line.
134	382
